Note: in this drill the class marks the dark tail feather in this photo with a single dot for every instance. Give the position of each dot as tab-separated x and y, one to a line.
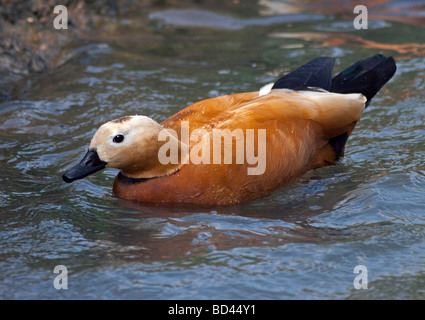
366	76
316	73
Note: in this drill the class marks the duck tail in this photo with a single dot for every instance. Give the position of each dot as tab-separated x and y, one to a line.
366	76
315	74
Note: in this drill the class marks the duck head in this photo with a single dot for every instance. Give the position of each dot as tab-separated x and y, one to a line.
129	144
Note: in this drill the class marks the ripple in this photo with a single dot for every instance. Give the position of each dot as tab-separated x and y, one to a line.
203	18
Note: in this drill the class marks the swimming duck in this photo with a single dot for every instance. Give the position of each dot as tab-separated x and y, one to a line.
238	147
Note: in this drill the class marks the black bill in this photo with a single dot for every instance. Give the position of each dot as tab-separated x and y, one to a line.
90	164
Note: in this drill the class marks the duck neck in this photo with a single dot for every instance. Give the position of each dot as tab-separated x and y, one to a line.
170	158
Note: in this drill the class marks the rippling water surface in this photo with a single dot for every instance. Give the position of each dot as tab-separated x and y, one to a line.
301	242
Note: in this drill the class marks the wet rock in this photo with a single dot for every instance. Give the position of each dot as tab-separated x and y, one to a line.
30	44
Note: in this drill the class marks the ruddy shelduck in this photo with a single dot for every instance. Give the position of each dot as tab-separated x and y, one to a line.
301	123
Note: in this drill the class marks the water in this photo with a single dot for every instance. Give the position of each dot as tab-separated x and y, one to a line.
301	242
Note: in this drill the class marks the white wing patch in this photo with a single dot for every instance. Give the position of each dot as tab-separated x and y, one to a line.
266	89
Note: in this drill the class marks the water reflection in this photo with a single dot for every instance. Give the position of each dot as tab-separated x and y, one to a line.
350	40
410	12
166	233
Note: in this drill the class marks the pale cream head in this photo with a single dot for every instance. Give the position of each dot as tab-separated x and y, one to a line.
131	145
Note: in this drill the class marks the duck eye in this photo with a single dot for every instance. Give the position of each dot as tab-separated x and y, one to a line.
118	138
